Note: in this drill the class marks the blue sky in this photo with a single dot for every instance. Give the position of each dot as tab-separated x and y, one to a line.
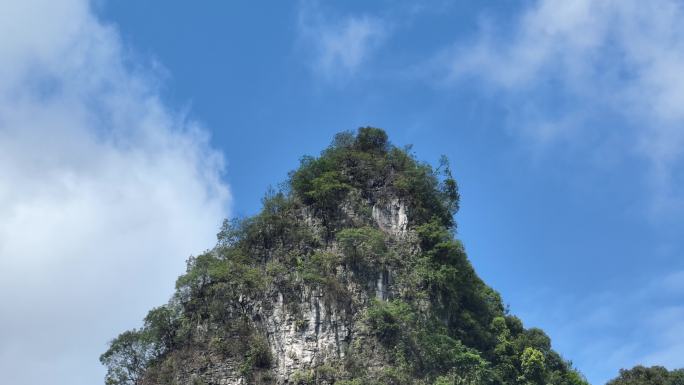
128	129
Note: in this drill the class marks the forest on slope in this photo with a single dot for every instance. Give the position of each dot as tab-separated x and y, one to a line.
351	274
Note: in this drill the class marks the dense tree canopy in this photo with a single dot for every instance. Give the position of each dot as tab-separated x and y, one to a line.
654	375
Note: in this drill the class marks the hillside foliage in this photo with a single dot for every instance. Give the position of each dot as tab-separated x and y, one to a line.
440	323
654	375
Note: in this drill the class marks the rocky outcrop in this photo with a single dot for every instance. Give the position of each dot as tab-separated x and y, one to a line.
301	336
302	342
391	217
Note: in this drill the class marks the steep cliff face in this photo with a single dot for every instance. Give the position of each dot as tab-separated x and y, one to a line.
351	275
304	330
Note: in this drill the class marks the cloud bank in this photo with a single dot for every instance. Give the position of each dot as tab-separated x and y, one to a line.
104	192
563	64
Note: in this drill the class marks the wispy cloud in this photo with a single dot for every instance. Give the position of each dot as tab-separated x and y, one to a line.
587	62
670	338
104	192
339	46
617	328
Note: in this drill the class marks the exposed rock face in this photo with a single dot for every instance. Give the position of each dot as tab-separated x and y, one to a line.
301	343
323	330
318	332
392	217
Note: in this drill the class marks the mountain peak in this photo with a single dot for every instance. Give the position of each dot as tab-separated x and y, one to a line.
349	275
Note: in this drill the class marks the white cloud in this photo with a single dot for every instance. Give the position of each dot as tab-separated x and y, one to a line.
582	60
104	192
340	45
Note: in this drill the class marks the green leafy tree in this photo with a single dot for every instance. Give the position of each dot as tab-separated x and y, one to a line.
389	319
654	375
532	365
470	369
365	244
127	358
161	324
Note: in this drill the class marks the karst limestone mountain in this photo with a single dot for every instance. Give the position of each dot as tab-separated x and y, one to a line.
351	274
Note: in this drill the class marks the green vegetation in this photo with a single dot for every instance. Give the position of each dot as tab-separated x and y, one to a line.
655	375
258	356
438	323
369	164
128	357
363	247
